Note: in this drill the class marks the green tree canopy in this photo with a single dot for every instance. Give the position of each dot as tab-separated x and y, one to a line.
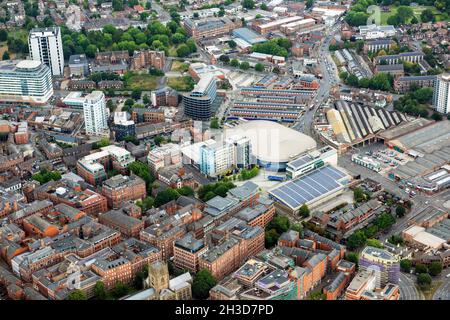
259	67
304	211
421	268
202	283
405	265
424	280
100	291
77	294
435	268
400	211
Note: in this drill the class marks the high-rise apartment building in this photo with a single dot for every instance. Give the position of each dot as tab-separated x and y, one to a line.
242	151
197	103
94	110
441	95
25	82
45	45
385	265
216	158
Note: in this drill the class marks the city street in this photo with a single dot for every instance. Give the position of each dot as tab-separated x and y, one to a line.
329	78
408	290
443	293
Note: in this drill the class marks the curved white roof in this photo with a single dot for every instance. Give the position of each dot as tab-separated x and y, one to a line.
28	64
272	141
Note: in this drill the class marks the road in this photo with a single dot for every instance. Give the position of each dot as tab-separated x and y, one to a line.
443	293
329	78
408	290
163	15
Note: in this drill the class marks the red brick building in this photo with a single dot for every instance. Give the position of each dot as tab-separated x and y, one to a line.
119	189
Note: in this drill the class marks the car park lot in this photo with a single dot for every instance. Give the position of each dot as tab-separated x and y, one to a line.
388	158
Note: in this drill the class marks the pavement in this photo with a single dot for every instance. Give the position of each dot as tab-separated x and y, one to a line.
408	289
329	78
443	293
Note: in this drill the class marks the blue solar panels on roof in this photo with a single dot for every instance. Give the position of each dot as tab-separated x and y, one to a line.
309	187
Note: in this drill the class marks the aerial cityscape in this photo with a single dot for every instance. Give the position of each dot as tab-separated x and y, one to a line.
224	150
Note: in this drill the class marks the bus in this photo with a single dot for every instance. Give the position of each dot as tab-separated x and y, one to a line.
275	178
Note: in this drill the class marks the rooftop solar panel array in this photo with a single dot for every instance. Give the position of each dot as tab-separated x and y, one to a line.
308	187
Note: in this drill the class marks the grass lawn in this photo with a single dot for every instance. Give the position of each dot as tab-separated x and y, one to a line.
179	66
430	292
141	81
181	83
3	48
172	51
417	11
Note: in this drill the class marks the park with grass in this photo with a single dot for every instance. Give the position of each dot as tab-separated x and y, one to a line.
417	12
185	83
179	66
140	81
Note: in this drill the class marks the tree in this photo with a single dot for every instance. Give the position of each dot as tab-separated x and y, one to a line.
405	265
100	291
120	290
202	283
356	240
319	295
224	58
352	80
421	268
214	123
309	3
244	65
352	257
271	238
385	221
427	16
45	176
404	14
279	223
374	243
142	171
136	94
158	140
178	38
191	45
102	143
264	6
304	211
146	204
166	196
183	51
424	280
234	63
3	35
6	56
117	5
359	195
77	294
248	4
259	67
186	191
146	99
436	116
232	44
435	268
275	47
400	211
297	227
396	240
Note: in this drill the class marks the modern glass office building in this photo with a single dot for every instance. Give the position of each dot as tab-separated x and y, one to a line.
25	82
197	103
